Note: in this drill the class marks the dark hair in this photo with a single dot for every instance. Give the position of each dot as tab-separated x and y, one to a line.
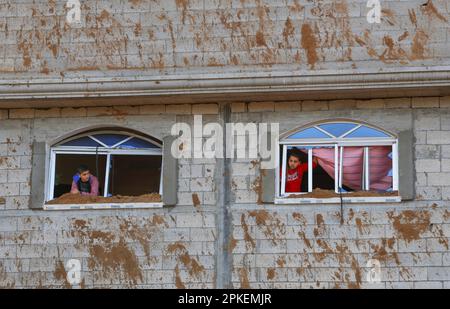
82	168
296	153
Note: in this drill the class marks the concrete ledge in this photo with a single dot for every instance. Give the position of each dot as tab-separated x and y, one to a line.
226	86
337	200
103	206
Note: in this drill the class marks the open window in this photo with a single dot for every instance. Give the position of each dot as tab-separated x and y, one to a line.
338	159
127	165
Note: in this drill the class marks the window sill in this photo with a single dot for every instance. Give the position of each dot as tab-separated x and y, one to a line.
103	206
337	200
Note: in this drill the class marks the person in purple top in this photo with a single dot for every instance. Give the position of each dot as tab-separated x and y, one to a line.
84	182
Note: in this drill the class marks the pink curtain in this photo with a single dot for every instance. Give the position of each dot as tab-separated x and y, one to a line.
379	164
352	166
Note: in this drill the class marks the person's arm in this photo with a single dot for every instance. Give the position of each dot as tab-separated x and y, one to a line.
74	189
94	186
304	166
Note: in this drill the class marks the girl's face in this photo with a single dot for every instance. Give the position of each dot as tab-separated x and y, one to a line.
293	162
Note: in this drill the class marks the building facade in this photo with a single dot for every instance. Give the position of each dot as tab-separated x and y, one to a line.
137	68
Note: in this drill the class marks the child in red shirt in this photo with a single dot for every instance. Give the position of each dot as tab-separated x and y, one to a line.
295	171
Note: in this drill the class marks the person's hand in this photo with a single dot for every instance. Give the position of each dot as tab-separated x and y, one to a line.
315	160
75	191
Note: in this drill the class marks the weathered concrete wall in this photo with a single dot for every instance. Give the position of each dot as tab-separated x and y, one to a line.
160	248
220	36
269	246
307	246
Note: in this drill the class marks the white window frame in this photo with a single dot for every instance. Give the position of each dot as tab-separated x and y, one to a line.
103	150
339	143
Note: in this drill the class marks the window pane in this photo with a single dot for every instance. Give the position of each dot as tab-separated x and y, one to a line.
133	175
82	142
337	129
309	133
323	170
66	167
380	168
137	143
110	139
367	132
352	168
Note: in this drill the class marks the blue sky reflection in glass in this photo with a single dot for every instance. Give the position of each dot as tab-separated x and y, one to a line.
137	143
364	131
309	133
110	140
338	129
84	141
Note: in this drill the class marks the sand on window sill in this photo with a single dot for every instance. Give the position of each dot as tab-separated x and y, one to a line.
70	198
320	193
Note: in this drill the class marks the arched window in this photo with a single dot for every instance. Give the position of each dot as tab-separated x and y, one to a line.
338	156
125	163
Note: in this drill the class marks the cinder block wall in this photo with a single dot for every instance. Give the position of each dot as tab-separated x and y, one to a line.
306	246
265	245
230	35
172	247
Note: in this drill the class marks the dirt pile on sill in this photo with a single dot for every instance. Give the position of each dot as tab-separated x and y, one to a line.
320	193
70	198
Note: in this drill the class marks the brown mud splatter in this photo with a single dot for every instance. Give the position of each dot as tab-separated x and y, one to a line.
418	46
409	224
232	244
361	226
431	11
281	261
270	273
192	265
243	278
61	274
412	17
269	224
388	16
320	229
249	241
309	43
288	31
299	217
110	252
196	201
385	251
257	188
178	282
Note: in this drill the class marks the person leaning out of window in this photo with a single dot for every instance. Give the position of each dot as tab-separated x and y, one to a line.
84	182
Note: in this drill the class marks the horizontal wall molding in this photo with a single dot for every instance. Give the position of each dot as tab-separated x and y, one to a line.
227	86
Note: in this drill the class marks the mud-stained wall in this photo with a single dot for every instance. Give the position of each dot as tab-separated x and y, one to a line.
309	247
318	246
172	247
172	36
269	245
